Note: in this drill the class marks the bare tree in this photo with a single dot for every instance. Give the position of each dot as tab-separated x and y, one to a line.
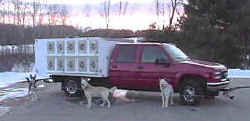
35	11
5	13
157	4
17	9
123	7
160	7
9	12
63	14
42	12
174	6
3	10
52	13
161	10
23	11
107	12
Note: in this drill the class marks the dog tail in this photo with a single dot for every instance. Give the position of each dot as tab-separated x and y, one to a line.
112	90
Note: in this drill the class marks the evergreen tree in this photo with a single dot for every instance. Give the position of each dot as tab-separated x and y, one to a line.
217	30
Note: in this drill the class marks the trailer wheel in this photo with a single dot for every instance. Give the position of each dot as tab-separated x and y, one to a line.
191	91
71	87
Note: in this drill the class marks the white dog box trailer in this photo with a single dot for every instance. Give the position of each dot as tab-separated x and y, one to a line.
67	59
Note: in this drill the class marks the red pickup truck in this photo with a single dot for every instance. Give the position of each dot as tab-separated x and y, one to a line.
139	66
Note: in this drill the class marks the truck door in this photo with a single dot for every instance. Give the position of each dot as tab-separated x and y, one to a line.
154	64
123	66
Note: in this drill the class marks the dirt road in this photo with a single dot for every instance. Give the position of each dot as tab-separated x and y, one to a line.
54	106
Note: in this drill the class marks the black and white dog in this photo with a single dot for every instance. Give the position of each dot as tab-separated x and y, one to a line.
32	88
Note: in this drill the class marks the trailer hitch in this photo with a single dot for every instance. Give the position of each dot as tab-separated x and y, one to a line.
226	91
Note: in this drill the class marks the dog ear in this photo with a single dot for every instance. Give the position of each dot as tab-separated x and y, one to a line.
167	80
33	76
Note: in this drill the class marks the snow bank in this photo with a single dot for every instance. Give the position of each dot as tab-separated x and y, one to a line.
8	79
11	78
238	73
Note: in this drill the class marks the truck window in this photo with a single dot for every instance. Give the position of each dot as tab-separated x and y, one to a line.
126	53
151	53
176	53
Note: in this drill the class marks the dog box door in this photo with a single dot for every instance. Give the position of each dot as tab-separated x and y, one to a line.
82	64
93	64
51	63
71	64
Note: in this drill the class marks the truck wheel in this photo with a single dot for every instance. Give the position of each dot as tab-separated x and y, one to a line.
71	87
191	92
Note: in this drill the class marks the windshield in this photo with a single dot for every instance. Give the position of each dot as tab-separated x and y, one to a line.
176	53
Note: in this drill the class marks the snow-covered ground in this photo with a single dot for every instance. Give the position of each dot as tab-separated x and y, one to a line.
8	80
11	78
238	73
13	93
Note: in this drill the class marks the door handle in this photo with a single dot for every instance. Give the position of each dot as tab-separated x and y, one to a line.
140	67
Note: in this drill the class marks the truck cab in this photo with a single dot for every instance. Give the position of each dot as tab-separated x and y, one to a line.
139	66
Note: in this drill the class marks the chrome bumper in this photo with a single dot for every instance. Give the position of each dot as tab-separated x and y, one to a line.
218	85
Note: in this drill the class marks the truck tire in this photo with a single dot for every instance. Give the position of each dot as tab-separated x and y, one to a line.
191	91
71	87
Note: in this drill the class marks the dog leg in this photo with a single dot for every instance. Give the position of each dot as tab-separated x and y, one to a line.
162	99
103	102
32	96
109	105
171	98
36	95
89	102
166	100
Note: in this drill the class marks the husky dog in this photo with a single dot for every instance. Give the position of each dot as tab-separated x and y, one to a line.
32	89
166	93
91	91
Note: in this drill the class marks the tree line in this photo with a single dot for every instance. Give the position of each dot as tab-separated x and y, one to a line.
17	35
32	12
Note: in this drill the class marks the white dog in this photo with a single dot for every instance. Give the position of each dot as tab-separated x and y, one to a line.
166	93
91	91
